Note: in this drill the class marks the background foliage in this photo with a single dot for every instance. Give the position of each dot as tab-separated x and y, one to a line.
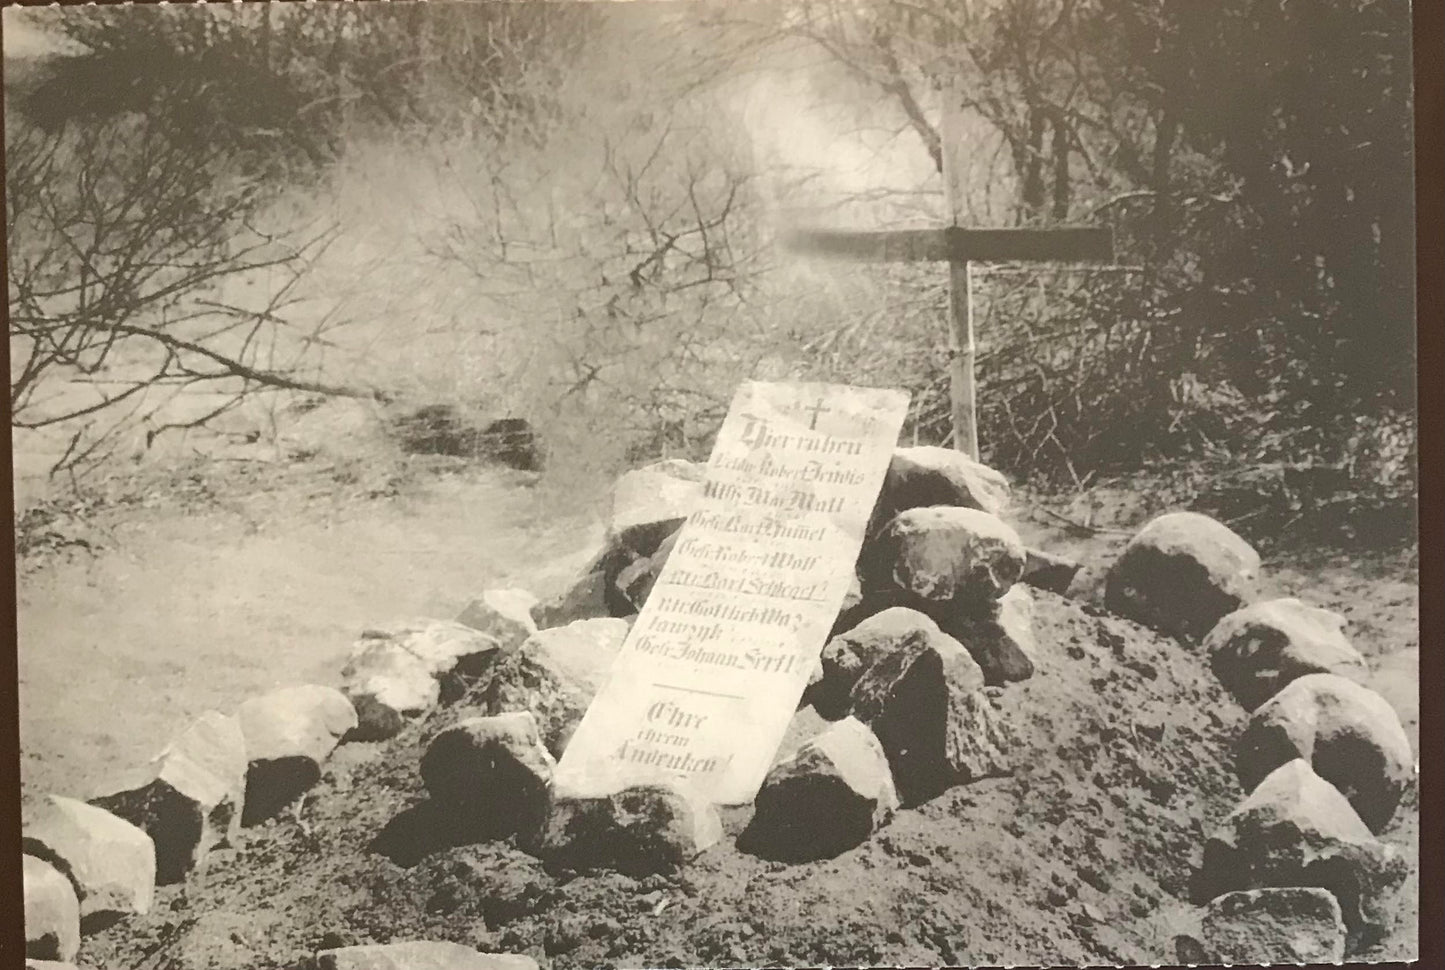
567	211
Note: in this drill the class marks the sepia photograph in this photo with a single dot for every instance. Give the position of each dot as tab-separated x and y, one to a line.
564	484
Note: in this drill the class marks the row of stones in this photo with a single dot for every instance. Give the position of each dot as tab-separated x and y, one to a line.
937	622
89	863
911	719
1325	760
905	692
1294	873
936	625
911	716
943	561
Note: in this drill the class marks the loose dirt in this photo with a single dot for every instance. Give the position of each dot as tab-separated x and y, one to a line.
1083	855
1122	754
198	593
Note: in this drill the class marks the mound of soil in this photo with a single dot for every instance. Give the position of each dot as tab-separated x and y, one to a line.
1122	767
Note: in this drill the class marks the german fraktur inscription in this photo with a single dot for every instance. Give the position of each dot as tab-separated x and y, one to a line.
703	689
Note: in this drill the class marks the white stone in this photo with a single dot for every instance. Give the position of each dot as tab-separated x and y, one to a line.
582	651
419	955
289	732
191	796
445	645
662	491
110	861
386	684
52	912
303	721
505	614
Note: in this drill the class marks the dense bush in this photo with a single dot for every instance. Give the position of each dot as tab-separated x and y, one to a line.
285	86
594	220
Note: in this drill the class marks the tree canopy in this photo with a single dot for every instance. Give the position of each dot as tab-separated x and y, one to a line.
1255	158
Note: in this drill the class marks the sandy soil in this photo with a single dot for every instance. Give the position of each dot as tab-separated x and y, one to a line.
181	609
1080	857
1377	590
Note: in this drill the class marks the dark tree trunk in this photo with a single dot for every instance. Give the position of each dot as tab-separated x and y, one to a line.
1032	176
1063	190
1166	133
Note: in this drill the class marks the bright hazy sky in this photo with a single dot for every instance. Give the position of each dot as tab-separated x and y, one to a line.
24	40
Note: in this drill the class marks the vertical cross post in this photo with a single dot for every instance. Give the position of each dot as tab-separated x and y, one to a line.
960	291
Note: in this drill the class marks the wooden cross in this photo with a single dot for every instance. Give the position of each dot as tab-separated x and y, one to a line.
960	248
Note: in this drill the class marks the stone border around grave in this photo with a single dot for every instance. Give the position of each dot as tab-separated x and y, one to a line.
1292	668
90	863
295	729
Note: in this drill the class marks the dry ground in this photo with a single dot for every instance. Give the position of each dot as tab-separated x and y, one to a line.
219	580
200	600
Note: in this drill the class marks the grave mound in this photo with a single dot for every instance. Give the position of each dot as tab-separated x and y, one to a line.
1008	775
1122	745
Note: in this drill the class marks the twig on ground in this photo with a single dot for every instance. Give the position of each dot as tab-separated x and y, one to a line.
1083	527
301	823
1246	516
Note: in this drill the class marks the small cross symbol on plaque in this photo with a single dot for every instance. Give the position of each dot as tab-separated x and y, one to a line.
815	410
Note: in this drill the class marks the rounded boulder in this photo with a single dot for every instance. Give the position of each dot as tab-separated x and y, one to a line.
1350	736
944	554
1181	574
830	796
639	831
1292	925
494	770
1257	650
849	655
927	475
1296	829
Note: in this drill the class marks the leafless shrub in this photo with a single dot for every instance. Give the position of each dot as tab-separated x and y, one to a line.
137	271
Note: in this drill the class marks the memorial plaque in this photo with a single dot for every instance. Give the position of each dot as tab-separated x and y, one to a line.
710	675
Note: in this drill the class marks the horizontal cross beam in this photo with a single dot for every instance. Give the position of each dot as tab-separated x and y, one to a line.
1064	244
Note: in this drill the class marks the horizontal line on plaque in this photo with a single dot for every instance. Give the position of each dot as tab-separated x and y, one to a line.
741	592
697	690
